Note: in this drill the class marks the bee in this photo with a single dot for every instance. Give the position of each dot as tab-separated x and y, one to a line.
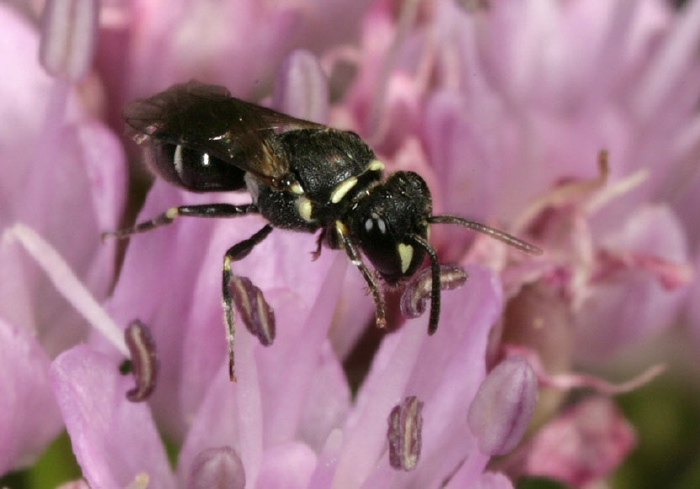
301	176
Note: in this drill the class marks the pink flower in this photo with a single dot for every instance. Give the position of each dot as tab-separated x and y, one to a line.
499	107
583	445
61	174
290	416
563	122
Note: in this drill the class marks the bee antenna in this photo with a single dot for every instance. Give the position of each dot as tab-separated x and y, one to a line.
484	229
435	287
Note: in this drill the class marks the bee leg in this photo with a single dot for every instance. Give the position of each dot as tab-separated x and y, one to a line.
204	210
435	284
248	293
319	244
356	259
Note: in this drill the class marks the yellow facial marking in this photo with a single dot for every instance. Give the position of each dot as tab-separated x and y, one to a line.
406	255
342	189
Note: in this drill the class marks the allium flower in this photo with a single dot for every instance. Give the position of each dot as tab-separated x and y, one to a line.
565	122
61	173
290	416
509	103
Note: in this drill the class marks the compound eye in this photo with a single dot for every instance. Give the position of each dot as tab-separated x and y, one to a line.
380	245
194	169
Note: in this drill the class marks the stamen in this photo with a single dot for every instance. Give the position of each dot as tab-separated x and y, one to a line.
569	192
503	406
617	189
68	39
404	434
417	293
256	313
217	467
379	124
301	87
67	283
144	359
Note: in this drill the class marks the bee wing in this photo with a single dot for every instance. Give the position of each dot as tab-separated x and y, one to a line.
207	118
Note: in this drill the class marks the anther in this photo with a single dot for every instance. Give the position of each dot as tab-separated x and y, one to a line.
256	313
144	360
217	467
69	37
417	293
404	434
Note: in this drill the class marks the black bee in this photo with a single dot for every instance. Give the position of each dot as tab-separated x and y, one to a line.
301	175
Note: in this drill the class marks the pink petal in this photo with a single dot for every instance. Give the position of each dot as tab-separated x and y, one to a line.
583	445
114	440
443	370
171	280
477	480
694	304
293	364
291	373
26	392
287	466
53	158
230	415
627	306
320	419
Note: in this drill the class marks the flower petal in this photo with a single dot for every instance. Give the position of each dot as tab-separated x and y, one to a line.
114	440
625	307
443	370
57	172
583	445
477	480
289	465
24	383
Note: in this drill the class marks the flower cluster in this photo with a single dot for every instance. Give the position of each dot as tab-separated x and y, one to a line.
569	123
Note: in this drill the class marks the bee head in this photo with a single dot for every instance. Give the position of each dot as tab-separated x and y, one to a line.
387	221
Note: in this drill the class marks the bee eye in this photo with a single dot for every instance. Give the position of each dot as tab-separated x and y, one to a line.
194	169
379	243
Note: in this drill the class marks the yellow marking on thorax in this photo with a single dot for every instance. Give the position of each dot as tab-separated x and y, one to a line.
342	189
